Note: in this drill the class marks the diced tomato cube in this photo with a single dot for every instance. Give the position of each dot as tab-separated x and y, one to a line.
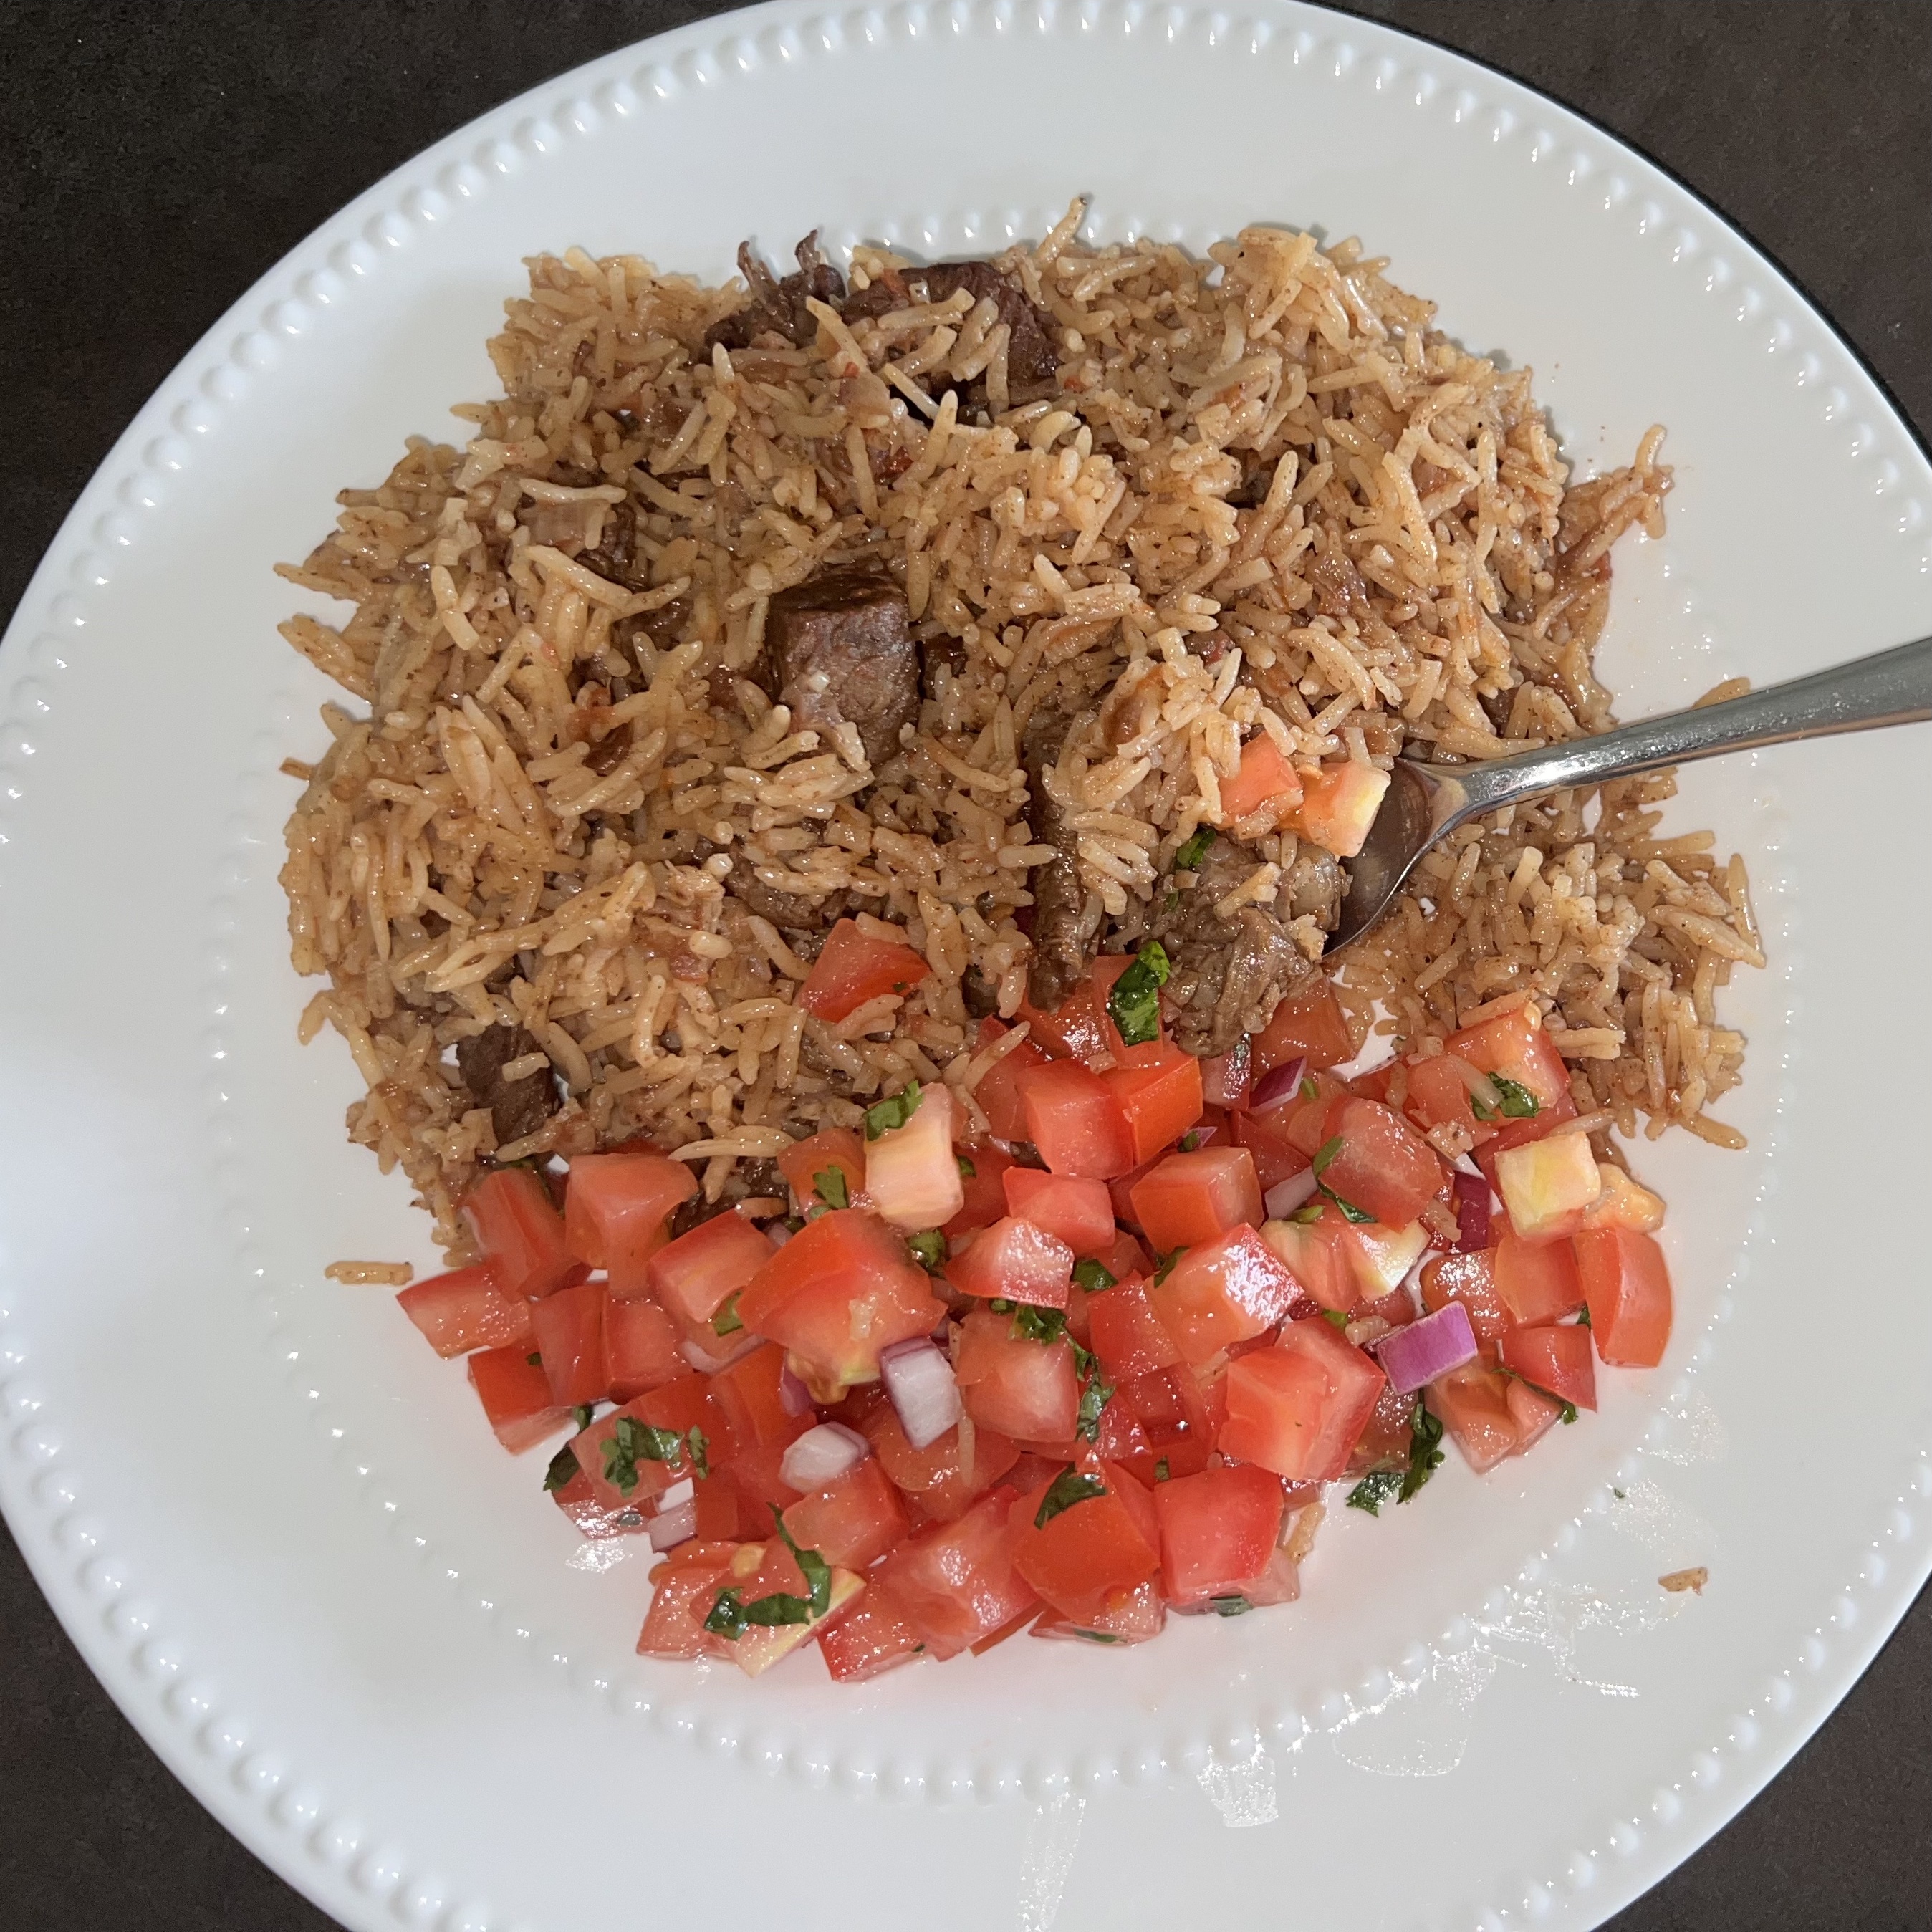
1081	1028
1014	1260
695	1275
1517	1045
1557	1358
759	1646
1320	1256
1071	1118
1382	1256
1531	1411
515	1395
1189	1199
1439	1096
998	1091
938	1477
1276	1158
1123	1616
1222	1293
569	1333
615	1213
520	1233
1227	1081
956	1581
750	1392
1078	1212
1298	1408
726	1510
874	1636
837	1149
640	1351
1339	804
1108	1539
1547	1186
852	967
465	1309
1385	1443
1627	1286
912	1175
1381	1165
1536	1281
1311	1026
1158	1090
837	1292
985	1192
1473	1403
1008	1381
1167	1402
683	1599
1125	1257
595	1520
852	1521
1470	1279
1126	1334
1217	1529
619	1478
1265	781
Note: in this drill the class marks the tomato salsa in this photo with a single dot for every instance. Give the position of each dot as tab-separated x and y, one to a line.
1068	1357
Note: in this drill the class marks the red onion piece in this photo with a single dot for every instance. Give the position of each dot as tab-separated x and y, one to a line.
793	1393
1285	1196
708	1361
680	1493
1224	1082
823	1455
919	1379
777	1233
1431	1347
1472	1212
1278	1086
670	1527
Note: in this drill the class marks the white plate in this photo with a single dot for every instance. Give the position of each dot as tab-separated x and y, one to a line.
274	1524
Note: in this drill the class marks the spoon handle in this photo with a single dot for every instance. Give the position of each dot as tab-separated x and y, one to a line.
1893	688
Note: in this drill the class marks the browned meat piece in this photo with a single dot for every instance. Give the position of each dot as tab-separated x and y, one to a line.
1314	883
778	307
608	753
1032	359
1339	588
981	996
1063	942
789	911
840	650
616	556
1257	473
751	1179
1228	975
516	1107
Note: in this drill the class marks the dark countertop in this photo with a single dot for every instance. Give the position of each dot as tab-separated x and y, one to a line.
140	141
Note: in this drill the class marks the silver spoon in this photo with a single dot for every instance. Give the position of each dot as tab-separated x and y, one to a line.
1425	802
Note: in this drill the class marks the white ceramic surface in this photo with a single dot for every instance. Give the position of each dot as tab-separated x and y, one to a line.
275	1525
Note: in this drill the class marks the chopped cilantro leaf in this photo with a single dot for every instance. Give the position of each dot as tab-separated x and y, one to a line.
1232	1606
1161	1471
1568	1409
1583	1316
534	1361
700	1451
831	1188
1189	855
726	1321
1134	1005
928	1249
1166	1268
632	1441
1095	1394
563	1466
727	1616
1092	1277
1096	1636
817	1572
1038	1324
1308	1215
1067	1488
885	1115
966	1170
1311	1087
1425	1452
1481	1108
1374	1489
1335	1317
1190	1140
1519	1102
1327	1152
582	1413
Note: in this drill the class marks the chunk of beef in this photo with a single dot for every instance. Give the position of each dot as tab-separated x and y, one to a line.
1033	360
616	556
1314	884
791	912
1228	975
1064	939
516	1107
750	1181
981	996
839	649
778	306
